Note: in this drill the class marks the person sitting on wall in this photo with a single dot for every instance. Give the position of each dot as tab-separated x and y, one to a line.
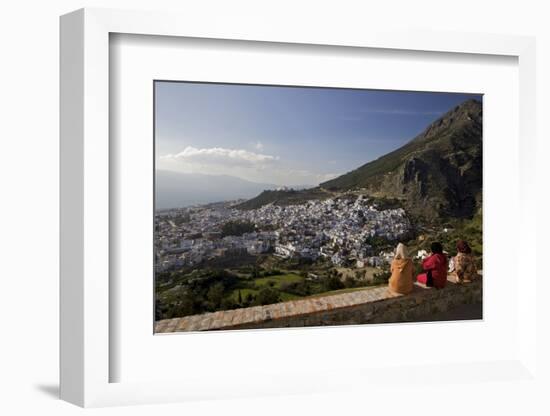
401	280
464	263
435	268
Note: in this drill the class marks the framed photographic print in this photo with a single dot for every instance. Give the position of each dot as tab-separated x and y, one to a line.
308	203
286	206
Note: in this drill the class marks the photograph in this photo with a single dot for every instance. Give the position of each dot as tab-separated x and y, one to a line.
298	206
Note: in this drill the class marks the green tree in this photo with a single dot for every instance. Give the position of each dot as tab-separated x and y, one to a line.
299	288
350	282
228	303
237	228
249	299
331	283
255	272
215	294
267	296
381	277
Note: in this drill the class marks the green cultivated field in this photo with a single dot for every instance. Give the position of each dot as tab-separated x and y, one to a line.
278	280
183	293
271	281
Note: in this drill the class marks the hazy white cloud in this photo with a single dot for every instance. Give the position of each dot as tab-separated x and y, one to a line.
327	176
257	145
220	155
310	178
251	166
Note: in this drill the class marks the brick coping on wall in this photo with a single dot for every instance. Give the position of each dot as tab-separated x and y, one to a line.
269	315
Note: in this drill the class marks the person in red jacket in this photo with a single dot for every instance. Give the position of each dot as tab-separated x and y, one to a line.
435	267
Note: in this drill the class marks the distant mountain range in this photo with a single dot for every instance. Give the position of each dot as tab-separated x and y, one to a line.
437	174
175	189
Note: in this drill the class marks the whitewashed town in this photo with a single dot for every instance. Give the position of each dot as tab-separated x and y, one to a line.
271	195
337	229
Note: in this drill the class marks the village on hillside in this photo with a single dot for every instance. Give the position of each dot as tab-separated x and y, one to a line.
337	229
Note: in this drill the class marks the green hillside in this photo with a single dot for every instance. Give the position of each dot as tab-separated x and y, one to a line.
284	197
437	174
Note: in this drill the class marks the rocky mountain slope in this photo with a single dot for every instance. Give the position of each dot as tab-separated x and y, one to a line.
438	174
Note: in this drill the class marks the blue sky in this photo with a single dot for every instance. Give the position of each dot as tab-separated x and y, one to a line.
285	135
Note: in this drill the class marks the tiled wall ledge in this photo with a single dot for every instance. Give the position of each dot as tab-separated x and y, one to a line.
371	305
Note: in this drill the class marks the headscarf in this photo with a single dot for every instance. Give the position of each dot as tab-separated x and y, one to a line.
401	251
463	247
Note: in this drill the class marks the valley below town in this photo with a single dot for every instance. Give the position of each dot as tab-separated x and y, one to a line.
218	256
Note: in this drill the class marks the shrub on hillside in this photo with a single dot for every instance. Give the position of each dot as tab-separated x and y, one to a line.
266	296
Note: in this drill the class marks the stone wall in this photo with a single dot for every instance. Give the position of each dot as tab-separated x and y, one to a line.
371	305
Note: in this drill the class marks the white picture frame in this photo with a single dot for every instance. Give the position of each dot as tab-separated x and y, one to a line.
86	355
